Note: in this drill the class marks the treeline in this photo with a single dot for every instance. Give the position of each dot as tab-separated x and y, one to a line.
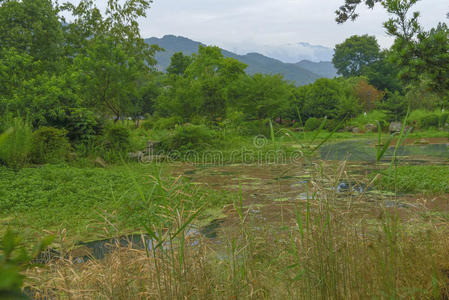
96	69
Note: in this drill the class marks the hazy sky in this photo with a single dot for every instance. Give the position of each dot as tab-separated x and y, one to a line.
244	25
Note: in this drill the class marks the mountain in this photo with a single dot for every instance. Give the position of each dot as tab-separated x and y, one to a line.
257	63
291	53
322	68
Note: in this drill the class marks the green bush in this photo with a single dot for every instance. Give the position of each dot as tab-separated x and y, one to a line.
82	125
118	137
254	128
166	123
15	143
49	145
312	124
331	124
443	119
189	137
371	117
429	121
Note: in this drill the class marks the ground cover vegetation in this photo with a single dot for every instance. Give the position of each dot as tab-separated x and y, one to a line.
80	99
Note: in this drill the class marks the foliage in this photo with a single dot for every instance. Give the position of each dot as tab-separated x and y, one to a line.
372	117
51	197
179	64
367	94
354	54
189	137
16	143
417	179
425	119
312	124
49	145
82	125
117	137
14	259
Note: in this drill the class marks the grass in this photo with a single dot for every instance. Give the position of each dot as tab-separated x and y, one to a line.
324	251
56	197
417	179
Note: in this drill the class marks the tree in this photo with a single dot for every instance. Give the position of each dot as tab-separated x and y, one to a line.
261	96
420	55
367	94
32	27
383	74
179	64
354	54
111	59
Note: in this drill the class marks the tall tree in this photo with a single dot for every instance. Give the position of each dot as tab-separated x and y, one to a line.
354	54
111	59
179	64
32	27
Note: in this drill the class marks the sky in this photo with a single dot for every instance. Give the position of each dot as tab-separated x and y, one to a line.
250	25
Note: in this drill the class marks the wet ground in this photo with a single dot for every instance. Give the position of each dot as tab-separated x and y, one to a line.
273	194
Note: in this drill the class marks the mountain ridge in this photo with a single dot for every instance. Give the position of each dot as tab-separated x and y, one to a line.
301	73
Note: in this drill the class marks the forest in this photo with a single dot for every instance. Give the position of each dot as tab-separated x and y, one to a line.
239	186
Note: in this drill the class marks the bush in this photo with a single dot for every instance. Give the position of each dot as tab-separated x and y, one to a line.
82	125
166	123
253	128
424	119
189	137
429	121
331	124
15	143
312	124
371	118
443	119
49	145
117	137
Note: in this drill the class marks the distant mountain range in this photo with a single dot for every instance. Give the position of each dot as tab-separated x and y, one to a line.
289	53
301	73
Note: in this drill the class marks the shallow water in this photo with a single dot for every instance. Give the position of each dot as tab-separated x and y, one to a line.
365	151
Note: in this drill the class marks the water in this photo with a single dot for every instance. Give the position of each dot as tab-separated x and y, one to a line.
365	151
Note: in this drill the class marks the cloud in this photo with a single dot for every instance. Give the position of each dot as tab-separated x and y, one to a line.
250	24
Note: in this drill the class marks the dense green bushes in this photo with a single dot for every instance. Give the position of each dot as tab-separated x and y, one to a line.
49	145
312	124
190	137
117	137
15	143
424	119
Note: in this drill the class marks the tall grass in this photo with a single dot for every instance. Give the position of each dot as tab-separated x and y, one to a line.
16	143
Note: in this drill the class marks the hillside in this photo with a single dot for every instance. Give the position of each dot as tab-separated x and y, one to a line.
300	73
323	68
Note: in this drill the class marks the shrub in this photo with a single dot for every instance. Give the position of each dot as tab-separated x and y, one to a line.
371	118
117	137
166	123
15	143
312	124
253	128
49	145
189	137
429	121
443	119
331	124
82	125
424	119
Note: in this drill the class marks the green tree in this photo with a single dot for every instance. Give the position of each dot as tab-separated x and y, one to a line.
179	64
32	27
354	54
261	97
112	59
